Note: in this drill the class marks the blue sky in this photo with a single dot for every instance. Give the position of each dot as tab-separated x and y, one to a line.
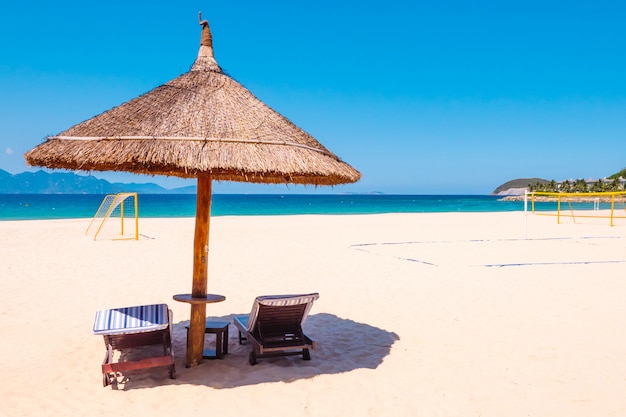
442	97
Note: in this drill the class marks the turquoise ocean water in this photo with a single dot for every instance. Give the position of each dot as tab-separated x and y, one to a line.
67	206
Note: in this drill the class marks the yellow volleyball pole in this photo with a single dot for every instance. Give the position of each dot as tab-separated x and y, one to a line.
612	207
136	218
122	214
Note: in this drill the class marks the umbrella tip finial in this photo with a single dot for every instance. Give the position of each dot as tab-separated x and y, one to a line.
205	54
206	40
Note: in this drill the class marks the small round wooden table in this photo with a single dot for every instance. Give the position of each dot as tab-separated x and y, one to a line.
195	304
188	298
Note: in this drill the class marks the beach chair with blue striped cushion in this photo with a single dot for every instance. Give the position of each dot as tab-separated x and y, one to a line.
134	327
274	326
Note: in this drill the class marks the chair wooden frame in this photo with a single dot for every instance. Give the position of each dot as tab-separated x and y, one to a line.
274	327
120	341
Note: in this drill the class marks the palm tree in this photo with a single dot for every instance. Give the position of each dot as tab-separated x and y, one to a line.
615	185
598	187
537	187
580	186
552	187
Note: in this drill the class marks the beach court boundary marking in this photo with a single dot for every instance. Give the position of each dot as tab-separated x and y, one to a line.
555	263
361	247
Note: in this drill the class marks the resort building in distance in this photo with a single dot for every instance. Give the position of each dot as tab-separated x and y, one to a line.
519	186
581	185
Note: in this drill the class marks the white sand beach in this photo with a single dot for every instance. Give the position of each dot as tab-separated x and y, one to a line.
437	314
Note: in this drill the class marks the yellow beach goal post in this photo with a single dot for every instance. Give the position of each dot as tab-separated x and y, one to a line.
119	207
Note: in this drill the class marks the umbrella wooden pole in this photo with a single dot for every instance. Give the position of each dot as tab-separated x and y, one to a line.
195	342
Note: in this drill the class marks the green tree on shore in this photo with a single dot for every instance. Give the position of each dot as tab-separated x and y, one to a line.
598	187
580	186
615	185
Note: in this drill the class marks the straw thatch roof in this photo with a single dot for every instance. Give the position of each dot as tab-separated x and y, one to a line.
200	123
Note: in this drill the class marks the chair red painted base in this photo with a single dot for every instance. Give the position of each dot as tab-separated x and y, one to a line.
131	328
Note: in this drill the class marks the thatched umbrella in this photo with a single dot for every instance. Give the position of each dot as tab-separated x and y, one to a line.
202	124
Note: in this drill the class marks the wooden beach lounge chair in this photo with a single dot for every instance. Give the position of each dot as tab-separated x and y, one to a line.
134	327
274	326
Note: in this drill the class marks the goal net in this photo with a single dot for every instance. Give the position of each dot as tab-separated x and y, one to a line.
116	218
578	207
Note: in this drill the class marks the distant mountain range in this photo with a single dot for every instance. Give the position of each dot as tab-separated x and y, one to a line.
41	182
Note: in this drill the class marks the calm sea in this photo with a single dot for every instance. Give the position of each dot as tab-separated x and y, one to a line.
67	206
